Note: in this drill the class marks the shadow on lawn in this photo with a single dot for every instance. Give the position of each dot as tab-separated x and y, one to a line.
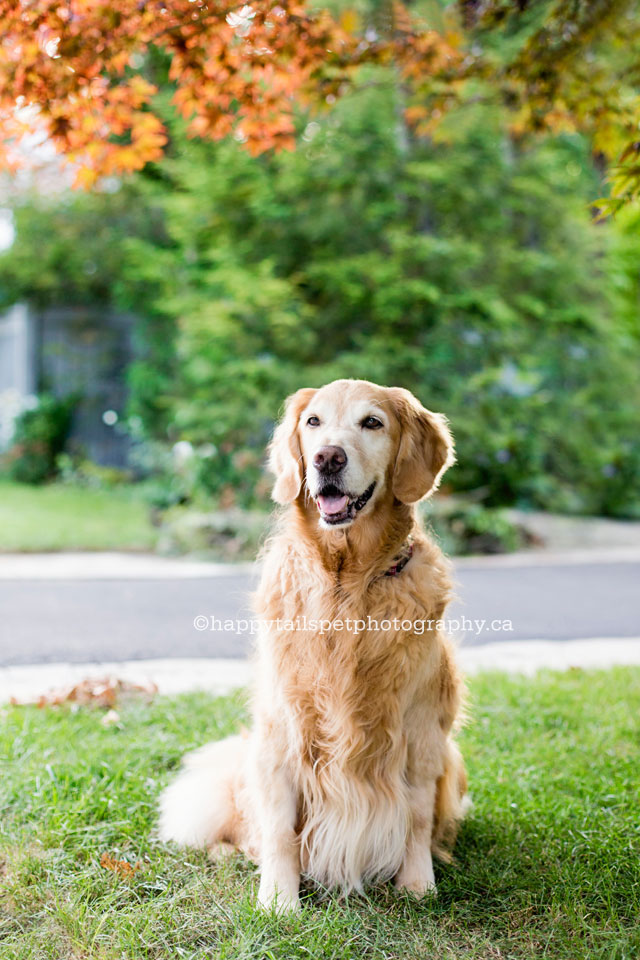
513	886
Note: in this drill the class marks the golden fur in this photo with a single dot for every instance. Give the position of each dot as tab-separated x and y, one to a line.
350	772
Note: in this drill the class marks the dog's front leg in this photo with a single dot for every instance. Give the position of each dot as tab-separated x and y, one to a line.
416	873
275	805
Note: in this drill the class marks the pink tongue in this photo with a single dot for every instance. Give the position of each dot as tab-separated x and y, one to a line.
332	505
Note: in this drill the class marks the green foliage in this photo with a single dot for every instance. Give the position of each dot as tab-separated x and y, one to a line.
78	242
222	535
462	527
39	437
85	249
86	473
623	268
466	269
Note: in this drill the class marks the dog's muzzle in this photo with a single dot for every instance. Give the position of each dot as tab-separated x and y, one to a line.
338	507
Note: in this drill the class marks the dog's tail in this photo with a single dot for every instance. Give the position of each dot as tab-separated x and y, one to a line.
199	808
452	803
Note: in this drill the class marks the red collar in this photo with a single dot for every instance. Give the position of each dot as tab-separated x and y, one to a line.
401	560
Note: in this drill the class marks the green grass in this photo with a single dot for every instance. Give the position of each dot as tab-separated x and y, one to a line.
59	517
547	865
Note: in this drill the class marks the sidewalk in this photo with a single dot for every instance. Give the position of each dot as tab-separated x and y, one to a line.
124	615
112	566
142	566
221	676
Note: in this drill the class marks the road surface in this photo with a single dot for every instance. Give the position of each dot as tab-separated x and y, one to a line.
79	619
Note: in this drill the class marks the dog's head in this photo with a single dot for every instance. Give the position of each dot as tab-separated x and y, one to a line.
351	443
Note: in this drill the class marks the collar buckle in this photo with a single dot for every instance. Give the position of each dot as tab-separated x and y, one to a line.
400	561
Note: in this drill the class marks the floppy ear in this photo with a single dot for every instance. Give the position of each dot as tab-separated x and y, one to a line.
425	450
285	455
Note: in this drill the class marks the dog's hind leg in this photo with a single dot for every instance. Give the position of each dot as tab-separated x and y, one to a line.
201	807
437	806
452	802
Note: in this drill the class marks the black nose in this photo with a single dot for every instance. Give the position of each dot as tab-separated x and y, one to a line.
330	460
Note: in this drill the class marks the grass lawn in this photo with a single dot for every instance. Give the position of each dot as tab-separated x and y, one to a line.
547	865
60	517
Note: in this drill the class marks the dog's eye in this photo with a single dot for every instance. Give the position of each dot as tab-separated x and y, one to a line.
313	422
372	423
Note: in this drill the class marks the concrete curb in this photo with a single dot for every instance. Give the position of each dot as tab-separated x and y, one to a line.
131	566
112	566
529	656
216	676
551	558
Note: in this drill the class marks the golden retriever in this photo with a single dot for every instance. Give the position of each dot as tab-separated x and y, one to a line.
349	773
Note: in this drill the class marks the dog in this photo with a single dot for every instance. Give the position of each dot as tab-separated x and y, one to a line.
350	773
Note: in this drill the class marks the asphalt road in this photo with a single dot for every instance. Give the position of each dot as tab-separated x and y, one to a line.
81	621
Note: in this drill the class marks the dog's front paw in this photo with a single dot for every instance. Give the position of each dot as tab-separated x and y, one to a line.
277	898
418	888
418	882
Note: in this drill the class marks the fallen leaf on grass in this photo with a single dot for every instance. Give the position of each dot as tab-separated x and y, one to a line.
122	867
93	691
110	717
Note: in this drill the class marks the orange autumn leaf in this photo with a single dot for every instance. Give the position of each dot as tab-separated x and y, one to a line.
74	71
120	867
103	692
236	69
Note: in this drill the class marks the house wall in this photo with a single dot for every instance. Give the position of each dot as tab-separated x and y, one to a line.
18	367
17	350
67	350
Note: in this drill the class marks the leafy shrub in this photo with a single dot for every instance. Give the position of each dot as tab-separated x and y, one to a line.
86	473
39	438
460	526
465	270
225	535
464	527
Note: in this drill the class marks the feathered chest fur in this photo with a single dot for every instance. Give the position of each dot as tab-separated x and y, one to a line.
346	679
343	689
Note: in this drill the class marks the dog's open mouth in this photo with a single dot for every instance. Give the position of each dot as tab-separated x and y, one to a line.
336	506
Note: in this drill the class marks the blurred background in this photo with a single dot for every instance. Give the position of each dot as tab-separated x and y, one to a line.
151	328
